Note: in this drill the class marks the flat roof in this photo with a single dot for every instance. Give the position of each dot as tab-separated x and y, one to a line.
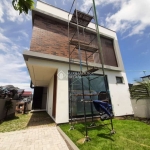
145	76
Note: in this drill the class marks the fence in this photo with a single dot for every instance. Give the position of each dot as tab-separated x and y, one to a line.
139	92
140	99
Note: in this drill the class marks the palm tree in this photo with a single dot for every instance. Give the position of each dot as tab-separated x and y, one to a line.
141	90
23	5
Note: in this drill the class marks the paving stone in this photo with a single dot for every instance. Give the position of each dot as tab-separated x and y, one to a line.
38	138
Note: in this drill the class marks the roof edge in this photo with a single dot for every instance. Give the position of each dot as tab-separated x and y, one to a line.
68	12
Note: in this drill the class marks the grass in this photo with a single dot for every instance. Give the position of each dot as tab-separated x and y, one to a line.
130	135
17	123
27	120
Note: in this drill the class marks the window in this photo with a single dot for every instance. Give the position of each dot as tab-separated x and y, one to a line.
108	52
119	79
93	83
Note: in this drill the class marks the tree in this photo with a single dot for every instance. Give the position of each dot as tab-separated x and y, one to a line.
23	5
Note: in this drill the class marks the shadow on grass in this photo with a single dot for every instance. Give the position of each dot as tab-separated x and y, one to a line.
105	136
40	118
99	127
9	119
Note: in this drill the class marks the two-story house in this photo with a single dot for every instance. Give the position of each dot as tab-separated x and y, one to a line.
47	63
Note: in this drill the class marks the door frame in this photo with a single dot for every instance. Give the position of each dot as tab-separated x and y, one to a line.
54	95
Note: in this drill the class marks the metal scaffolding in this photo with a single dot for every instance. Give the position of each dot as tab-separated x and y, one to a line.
80	21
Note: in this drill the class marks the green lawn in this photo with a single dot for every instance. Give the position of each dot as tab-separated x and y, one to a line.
130	135
17	123
21	121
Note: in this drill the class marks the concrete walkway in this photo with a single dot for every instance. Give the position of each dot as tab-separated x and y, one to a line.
39	138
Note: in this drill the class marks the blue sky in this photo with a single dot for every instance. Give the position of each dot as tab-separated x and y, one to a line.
129	18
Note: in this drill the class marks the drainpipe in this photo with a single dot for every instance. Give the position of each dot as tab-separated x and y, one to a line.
31	85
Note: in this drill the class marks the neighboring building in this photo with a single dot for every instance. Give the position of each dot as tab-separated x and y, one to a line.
27	94
47	62
146	78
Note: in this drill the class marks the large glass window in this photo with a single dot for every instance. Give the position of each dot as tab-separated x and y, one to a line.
93	84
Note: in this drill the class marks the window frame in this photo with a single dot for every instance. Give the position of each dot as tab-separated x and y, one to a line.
122	80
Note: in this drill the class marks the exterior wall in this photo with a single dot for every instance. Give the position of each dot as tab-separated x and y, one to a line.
62	103
51	37
141	108
63	16
2	109
48	37
119	92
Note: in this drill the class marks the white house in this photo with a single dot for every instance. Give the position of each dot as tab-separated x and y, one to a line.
47	63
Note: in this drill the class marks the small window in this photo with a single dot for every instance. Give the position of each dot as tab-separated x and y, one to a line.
119	79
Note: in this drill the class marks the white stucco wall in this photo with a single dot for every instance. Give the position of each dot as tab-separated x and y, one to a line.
141	108
62	104
119	93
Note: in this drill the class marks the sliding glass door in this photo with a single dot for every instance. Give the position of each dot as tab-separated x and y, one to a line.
92	84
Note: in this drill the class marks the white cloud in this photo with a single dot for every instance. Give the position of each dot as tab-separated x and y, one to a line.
21	35
146	52
7	45
138	40
13	69
12	65
88	3
55	3
64	2
24	33
4	38
7	10
133	15
3	47
1	30
1	13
